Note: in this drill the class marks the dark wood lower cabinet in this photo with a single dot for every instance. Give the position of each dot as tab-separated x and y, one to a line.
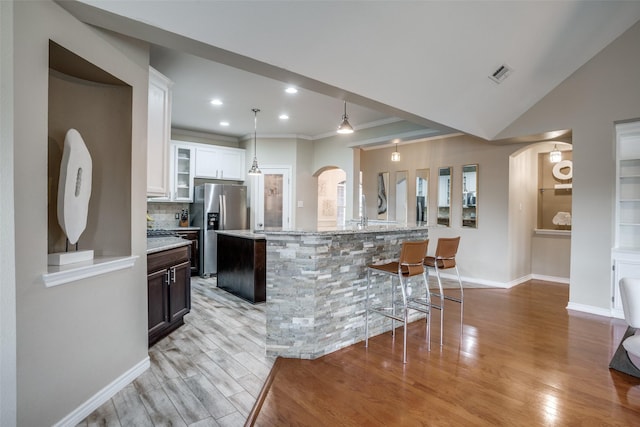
169	290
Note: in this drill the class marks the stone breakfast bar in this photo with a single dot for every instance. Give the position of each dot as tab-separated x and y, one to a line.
316	286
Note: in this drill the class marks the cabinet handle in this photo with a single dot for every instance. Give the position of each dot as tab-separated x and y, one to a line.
167	278
173	274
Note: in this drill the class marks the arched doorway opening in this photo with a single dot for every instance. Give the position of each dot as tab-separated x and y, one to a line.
332	197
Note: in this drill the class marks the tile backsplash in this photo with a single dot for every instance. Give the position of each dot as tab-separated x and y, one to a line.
163	215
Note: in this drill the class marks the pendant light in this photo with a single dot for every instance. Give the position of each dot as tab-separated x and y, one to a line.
395	156
345	127
255	170
555	156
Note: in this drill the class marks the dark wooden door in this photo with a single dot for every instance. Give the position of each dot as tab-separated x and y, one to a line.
180	290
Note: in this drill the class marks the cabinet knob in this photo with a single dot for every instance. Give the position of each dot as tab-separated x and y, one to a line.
167	277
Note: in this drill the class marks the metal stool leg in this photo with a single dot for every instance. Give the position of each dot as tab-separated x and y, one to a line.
366	321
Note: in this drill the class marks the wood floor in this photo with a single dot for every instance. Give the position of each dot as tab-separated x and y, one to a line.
524	360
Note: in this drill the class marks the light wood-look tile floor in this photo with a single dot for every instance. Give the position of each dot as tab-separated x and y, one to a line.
209	372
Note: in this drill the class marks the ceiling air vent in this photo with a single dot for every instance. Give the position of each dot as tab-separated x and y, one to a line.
501	73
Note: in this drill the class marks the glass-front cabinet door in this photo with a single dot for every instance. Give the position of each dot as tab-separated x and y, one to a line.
444	196
470	196
182	173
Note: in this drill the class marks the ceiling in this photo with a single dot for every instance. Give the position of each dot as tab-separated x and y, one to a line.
196	81
426	62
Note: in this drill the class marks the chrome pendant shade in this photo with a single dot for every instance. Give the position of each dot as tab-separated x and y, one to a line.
345	127
255	170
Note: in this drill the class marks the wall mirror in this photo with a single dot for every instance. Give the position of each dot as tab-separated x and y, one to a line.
470	196
444	196
383	185
401	197
422	196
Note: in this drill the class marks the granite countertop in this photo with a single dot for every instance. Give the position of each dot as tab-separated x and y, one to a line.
245	234
348	229
158	244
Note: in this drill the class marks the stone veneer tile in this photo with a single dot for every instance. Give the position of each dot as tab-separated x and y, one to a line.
316	289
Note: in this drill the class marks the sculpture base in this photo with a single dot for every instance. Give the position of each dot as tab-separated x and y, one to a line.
64	258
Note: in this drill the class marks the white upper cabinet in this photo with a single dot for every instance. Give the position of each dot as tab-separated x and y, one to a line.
215	162
158	134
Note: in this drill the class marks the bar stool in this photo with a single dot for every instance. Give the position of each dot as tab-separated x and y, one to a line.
444	259
410	264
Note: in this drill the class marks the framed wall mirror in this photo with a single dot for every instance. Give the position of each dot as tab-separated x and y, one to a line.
422	196
470	196
401	197
444	196
383	185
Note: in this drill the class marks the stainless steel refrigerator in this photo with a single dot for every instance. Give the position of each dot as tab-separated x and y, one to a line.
217	207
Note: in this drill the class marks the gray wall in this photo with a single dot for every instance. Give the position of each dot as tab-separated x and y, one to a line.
605	90
73	339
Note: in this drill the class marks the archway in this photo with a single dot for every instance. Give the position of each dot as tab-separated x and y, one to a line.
332	200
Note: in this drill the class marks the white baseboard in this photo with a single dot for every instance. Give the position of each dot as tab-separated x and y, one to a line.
82	411
589	309
556	279
505	285
477	281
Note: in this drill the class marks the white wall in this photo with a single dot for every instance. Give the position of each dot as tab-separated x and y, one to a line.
7	236
74	339
605	90
521	205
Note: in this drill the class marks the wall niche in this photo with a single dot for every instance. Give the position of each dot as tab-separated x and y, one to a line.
99	106
555	192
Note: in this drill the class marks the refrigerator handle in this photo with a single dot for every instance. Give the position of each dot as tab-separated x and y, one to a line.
223	212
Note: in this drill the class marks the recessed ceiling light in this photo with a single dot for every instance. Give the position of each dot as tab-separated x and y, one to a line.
291	89
283	117
224	123
216	101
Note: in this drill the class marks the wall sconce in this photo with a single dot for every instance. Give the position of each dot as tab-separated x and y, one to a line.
395	156
555	156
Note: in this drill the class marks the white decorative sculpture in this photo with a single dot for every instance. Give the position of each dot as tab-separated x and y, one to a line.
74	191
562	218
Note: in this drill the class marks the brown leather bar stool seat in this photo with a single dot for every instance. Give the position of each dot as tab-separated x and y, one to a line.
445	258
409	265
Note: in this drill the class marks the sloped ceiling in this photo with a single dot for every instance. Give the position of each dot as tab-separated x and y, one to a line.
423	61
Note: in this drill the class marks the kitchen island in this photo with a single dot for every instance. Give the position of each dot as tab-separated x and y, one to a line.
242	264
316	286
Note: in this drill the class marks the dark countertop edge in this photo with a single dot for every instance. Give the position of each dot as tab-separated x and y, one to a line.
243	234
159	244
176	228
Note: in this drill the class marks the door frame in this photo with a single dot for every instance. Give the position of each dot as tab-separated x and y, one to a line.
258	195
